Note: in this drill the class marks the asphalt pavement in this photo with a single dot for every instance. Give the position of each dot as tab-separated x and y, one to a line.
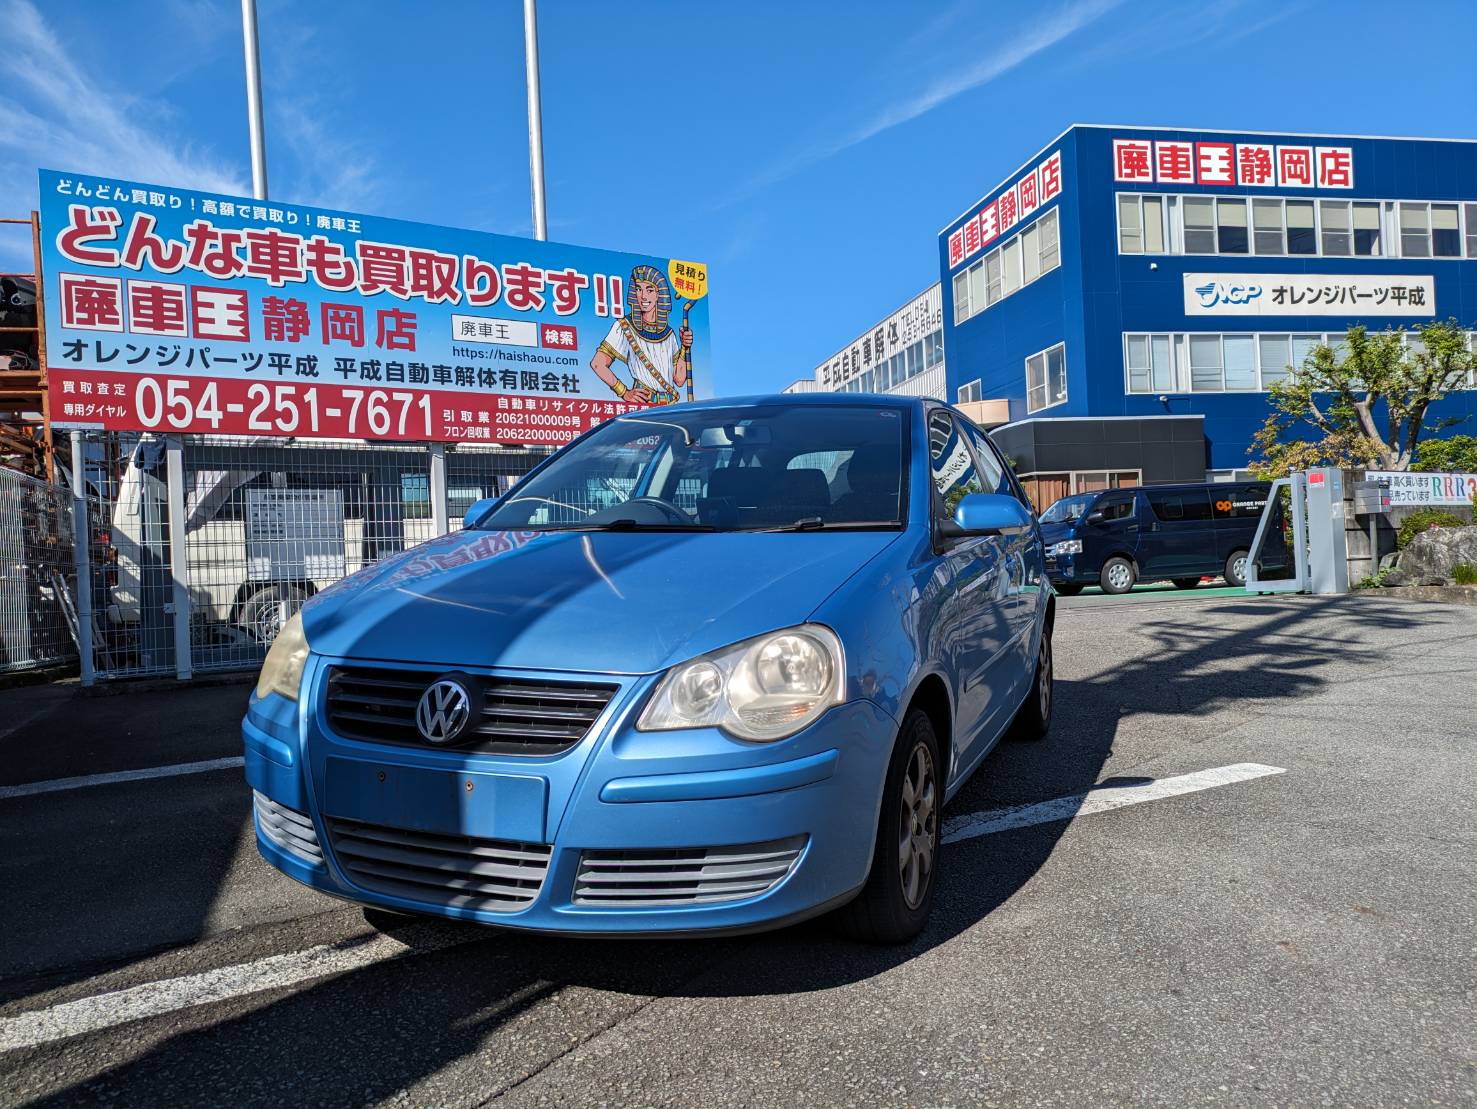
1298	930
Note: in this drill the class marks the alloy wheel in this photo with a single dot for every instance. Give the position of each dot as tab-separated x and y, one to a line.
918	826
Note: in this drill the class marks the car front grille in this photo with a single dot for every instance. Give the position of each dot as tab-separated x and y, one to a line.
288	829
518	716
683	876
488	874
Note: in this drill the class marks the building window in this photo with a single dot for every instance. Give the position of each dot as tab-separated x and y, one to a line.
1302	238
1338	238
1140	224
1199	225
1230	226
1279	226
1148	364
1046	378
1266	227
1430	230
961	296
970	392
1012	265
1446	236
1220	363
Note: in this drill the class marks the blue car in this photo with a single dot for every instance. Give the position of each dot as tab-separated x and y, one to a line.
714	667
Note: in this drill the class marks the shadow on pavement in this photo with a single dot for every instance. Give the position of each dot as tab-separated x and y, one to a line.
367	1035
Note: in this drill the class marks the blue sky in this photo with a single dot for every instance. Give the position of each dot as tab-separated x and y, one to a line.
809	152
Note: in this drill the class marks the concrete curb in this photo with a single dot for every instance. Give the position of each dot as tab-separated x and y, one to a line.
1442	594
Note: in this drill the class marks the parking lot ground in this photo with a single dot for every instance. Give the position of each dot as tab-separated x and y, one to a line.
1240	869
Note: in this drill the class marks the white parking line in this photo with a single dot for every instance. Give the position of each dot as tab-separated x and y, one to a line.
1102	799
152	999
57	785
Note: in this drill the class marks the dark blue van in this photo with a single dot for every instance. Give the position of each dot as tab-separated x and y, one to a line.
1180	533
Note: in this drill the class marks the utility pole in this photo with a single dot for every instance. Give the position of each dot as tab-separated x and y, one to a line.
254	100
535	118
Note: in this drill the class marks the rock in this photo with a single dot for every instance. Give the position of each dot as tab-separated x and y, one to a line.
1431	556
1389	560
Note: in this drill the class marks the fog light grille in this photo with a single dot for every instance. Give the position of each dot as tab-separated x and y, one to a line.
288	829
684	876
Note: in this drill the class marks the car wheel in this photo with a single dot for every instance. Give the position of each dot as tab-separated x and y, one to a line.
1118	575
1068	589
893	906
265	612
1236	569
1186	583
1033	718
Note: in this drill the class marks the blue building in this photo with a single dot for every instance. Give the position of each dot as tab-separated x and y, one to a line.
1118	306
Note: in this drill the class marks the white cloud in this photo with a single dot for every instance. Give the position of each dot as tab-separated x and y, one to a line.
1041	34
60	117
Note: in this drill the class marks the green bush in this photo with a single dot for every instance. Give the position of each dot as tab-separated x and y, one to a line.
1456	454
1464	573
1423	519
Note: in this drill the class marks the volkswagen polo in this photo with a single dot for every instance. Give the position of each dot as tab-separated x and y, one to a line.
715	667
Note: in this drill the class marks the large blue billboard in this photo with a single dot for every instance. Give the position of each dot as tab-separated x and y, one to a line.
170	310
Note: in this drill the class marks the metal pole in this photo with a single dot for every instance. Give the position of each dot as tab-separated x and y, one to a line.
439	522
179	570
535	118
254	100
81	534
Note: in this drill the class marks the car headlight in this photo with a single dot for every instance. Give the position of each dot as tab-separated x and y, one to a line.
763	689
282	672
1067	546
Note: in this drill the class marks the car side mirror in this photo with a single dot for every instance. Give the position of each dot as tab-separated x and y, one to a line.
477	511
1096	519
987	514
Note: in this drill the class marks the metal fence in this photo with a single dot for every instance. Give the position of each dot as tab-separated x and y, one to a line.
37	573
205	545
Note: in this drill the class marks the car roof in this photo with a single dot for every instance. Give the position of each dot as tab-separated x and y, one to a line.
807	400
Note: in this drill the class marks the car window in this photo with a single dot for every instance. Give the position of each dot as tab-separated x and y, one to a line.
994	474
1068	509
1184	505
1115	506
724	469
951	463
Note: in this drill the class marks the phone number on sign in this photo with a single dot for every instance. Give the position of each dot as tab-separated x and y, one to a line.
186	405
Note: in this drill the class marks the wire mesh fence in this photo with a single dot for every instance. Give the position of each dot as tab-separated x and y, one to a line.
264	525
37	573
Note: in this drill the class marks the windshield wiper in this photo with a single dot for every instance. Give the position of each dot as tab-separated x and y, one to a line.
816	523
627	524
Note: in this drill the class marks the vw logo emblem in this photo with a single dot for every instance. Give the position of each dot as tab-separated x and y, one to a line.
443	711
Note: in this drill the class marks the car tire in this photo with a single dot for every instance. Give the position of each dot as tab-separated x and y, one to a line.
1186	583
1033	718
1068	588
265	611
1118	575
1236	569
894	904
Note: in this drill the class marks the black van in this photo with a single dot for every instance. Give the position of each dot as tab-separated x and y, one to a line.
1116	537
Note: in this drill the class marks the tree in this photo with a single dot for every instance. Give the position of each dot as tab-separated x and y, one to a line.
1456	454
1344	395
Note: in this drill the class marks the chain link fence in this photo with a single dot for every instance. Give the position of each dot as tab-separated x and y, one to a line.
37	574
241	532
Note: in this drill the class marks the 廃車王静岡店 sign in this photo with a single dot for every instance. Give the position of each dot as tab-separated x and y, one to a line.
171	310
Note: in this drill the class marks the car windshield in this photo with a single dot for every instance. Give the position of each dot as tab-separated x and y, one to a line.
1067	510
766	468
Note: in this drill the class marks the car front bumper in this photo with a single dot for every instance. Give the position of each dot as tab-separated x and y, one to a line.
626	832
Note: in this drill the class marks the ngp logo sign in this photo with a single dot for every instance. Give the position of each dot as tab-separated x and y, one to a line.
1257	165
1023	199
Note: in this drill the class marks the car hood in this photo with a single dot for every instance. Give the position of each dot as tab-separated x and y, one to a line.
599	602
1054	533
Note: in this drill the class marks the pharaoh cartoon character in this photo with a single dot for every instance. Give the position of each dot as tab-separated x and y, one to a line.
657	357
